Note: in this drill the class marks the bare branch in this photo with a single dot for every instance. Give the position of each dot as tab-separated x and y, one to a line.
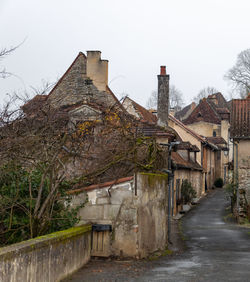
239	74
204	93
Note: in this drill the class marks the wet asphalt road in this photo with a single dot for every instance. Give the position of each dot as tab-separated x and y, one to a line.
216	250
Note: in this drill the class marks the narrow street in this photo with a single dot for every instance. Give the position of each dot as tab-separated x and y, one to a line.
216	250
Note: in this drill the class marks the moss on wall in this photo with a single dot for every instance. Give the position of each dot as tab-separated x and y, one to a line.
38	242
153	178
28	260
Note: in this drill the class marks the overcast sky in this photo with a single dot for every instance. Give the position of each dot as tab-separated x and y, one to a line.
198	41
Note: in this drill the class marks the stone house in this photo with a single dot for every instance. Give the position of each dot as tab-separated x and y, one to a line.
185	167
205	154
240	134
135	207
211	118
83	96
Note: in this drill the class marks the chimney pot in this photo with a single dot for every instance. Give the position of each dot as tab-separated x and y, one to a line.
163	70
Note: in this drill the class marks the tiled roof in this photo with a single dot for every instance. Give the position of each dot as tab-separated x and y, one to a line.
216	140
187	146
150	130
220	100
190	131
240	118
180	162
203	112
148	121
222	110
145	115
80	189
180	114
193	133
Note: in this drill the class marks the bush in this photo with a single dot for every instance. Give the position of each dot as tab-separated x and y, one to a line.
218	183
187	192
231	192
19	188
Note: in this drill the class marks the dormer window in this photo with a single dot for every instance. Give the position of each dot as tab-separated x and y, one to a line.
88	82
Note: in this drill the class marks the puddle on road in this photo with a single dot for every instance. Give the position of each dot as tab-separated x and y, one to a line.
179	265
218	222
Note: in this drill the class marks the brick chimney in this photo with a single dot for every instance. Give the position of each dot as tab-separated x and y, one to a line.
163	97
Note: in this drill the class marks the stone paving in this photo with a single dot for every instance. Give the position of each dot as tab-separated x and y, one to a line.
216	250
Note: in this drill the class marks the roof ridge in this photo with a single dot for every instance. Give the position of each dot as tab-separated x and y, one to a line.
66	72
187	128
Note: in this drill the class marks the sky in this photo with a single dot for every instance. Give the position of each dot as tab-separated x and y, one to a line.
198	41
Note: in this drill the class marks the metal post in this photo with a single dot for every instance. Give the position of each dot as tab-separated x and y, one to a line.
169	208
172	191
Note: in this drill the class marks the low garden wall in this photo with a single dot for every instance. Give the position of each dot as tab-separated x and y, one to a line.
47	258
135	209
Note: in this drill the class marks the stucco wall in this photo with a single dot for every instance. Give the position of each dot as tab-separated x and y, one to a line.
152	213
48	258
205	128
186	136
138	221
97	69
195	177
225	130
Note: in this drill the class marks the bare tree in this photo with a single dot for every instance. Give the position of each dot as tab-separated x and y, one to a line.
4	52
152	100
175	99
49	151
204	93
239	74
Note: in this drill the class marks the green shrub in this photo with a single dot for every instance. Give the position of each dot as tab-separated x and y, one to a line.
218	183
187	192
19	188
231	192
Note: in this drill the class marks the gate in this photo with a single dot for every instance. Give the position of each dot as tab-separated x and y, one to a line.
101	234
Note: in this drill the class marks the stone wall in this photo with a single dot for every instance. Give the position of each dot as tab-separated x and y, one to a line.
78	85
138	218
244	167
163	98
48	258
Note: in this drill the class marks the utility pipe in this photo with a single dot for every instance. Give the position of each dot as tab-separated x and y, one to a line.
170	179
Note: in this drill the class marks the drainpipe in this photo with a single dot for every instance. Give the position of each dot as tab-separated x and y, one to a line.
170	173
